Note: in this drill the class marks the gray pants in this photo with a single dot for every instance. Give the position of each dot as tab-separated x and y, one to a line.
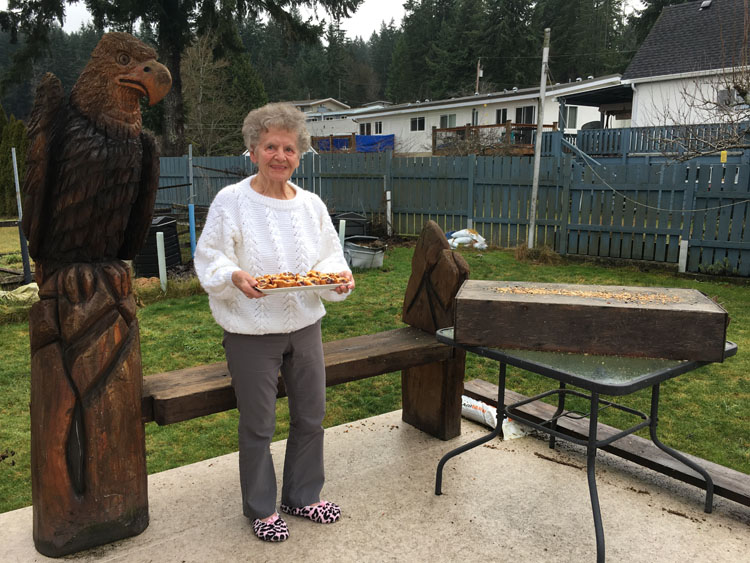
254	363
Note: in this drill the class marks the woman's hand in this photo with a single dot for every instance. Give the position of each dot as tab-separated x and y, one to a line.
246	284
348	287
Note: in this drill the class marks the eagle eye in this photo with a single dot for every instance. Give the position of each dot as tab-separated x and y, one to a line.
123	59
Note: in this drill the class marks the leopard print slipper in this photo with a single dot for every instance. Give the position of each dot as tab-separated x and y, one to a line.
274	530
323	513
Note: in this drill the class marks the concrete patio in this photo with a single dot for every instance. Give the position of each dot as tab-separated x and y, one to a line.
513	500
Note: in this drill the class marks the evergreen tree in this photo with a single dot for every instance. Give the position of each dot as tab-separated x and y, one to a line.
452	59
585	37
3	119
381	46
362	83
337	60
175	24
399	86
65	56
291	70
410	77
510	49
644	20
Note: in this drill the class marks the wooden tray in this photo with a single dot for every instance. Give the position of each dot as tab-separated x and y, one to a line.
672	323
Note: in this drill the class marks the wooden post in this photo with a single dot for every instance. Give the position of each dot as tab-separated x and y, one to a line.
531	236
508	133
431	394
564	217
88	458
21	236
472	164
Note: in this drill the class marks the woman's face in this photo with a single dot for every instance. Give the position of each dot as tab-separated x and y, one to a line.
276	154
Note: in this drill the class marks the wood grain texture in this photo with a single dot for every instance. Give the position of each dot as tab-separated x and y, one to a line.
671	323
88	196
88	458
179	395
431	396
436	276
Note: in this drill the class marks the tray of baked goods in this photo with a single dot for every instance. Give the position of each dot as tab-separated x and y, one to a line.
288	281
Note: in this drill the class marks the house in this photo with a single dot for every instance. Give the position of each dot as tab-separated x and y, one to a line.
412	123
322	105
692	66
339	122
614	104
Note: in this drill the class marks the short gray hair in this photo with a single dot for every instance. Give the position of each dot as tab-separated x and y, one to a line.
279	115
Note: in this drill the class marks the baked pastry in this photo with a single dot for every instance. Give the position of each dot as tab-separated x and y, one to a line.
289	279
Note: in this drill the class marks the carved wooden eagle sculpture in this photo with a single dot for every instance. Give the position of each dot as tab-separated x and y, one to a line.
92	173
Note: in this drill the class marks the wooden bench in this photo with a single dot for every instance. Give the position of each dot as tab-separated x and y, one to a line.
432	380
432	373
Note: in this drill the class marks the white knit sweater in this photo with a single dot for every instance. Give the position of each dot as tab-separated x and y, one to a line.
261	235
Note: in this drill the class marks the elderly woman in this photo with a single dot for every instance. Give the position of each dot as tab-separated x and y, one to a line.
267	225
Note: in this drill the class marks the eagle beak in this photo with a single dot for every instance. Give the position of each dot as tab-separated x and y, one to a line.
150	78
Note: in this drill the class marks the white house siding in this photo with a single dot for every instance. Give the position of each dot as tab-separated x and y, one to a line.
683	100
396	120
338	126
419	143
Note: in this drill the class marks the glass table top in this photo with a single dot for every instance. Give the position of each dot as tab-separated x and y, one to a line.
604	373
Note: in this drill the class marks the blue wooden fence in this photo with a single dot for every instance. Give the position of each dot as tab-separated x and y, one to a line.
649	144
638	211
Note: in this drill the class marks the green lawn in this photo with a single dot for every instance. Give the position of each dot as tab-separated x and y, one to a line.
704	413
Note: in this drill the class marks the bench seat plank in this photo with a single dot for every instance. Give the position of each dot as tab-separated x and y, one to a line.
183	394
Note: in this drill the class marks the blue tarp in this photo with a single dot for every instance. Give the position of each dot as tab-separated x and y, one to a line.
374	143
365	143
339	143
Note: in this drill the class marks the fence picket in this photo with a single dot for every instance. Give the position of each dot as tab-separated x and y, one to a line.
635	210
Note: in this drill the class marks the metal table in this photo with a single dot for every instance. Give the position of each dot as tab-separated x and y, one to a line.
607	375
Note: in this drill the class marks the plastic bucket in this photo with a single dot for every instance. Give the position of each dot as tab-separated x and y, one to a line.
362	256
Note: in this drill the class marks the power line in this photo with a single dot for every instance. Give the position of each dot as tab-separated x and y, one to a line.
656	208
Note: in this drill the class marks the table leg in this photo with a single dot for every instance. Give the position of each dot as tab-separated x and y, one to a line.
496	432
558	412
677	455
591	475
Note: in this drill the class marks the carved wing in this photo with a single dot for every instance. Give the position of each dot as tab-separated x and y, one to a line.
143	208
48	106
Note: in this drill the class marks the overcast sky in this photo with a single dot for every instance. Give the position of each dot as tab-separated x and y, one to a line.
368	18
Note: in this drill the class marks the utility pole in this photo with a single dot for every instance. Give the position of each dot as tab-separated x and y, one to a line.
538	143
479	74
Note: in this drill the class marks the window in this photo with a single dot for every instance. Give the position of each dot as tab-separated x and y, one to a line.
378	127
448	120
475	116
730	98
365	128
417	123
571	117
525	114
501	115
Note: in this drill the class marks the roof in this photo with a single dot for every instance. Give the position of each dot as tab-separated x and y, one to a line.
687	39
318	101
530	94
595	98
